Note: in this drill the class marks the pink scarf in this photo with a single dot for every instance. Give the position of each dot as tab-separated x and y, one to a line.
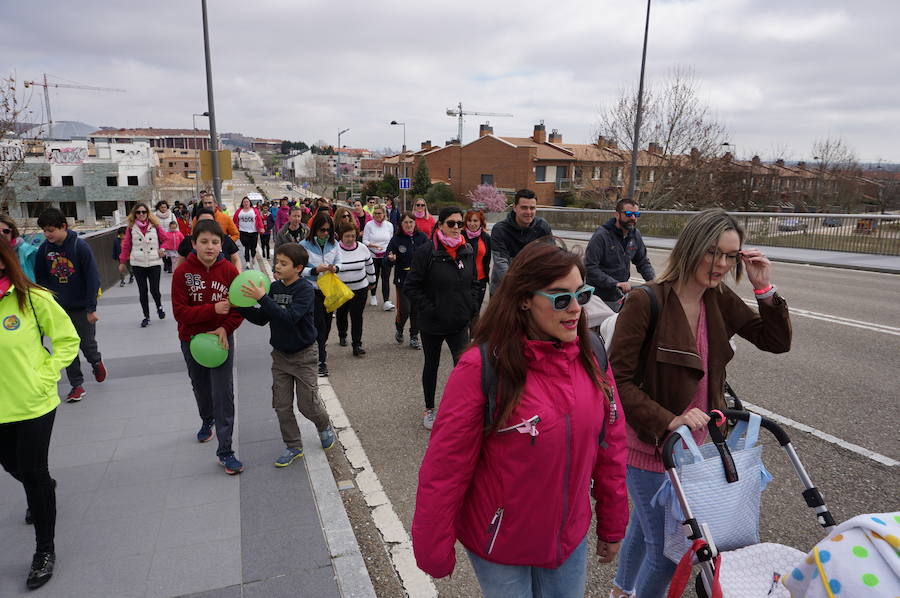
447	241
472	235
348	247
419	213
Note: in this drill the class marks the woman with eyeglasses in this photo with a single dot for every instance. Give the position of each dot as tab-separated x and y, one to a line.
514	485
324	256
142	248
26	252
424	220
480	240
442	284
673	373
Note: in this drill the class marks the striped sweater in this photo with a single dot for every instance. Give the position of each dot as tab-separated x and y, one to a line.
357	268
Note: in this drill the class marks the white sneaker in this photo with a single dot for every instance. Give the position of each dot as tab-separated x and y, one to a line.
428	420
388	306
373	300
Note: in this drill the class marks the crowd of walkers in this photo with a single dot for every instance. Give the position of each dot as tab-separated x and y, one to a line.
534	419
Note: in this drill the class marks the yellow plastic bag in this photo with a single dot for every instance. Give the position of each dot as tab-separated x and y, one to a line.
335	291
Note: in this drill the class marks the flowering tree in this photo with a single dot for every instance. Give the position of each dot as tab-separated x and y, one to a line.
488	197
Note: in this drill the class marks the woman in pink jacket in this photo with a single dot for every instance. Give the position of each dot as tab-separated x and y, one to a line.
516	492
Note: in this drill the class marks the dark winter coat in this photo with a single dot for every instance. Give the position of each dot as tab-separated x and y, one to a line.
508	239
609	256
443	288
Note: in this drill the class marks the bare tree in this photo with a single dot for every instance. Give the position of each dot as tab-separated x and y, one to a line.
838	172
13	111
680	122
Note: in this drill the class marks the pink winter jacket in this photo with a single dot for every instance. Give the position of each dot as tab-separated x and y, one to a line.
515	498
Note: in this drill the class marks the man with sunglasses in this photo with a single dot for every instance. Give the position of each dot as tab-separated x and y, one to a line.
612	249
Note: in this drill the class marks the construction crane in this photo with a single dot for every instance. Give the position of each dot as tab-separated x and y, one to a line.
458	111
47	86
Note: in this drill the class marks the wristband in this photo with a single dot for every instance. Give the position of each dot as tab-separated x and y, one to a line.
763	291
767	293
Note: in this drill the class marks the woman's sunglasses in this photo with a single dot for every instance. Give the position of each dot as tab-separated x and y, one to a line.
455	223
324	230
140	211
561	301
420	205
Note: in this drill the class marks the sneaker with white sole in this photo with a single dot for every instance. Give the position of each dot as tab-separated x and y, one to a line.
414	342
388	306
373	300
428	419
326	437
76	394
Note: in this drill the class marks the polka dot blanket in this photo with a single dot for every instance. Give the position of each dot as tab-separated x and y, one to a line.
860	558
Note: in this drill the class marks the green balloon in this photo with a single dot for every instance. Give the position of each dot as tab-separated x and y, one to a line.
207	351
236	297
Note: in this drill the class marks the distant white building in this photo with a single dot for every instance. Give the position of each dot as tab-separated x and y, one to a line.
87	181
299	165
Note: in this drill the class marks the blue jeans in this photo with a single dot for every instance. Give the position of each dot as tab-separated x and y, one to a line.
502	581
642	565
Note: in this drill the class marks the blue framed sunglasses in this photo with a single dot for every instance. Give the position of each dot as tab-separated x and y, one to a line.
561	301
629	214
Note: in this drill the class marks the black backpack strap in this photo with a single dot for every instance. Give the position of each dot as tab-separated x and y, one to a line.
599	351
488	385
654	311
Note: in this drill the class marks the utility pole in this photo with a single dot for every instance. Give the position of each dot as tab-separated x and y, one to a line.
213	136
640	106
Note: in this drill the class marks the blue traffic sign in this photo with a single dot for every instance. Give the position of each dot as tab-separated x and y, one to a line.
404	184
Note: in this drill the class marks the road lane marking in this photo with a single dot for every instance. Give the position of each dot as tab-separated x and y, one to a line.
855	448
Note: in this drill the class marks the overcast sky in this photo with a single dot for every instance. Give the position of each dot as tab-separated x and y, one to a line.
778	74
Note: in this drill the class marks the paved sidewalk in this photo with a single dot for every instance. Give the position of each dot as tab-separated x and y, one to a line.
835	259
145	510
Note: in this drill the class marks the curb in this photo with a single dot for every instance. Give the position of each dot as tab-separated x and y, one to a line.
349	566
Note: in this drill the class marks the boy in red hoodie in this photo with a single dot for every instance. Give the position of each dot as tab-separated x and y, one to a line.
200	304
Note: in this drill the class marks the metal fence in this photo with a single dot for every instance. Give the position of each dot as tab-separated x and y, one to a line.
855	233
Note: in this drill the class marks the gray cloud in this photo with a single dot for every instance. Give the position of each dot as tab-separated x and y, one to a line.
777	74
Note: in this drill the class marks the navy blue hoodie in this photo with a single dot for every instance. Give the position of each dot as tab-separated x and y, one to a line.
69	270
289	310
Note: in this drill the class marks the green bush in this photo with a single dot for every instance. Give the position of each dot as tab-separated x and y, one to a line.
440	193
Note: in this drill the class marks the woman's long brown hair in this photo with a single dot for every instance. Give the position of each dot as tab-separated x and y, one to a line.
505	325
15	274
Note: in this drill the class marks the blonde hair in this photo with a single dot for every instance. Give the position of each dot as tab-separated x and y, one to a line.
699	235
154	222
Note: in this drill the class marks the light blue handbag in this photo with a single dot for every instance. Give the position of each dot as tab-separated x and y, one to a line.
731	510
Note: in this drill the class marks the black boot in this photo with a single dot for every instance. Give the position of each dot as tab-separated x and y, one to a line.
41	569
342	341
358	351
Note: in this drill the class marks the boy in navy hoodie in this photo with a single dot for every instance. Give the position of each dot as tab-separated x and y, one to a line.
288	309
65	265
200	305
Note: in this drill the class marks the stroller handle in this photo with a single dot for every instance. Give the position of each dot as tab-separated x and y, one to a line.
668	449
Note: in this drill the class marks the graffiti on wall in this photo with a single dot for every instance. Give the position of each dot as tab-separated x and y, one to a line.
66	155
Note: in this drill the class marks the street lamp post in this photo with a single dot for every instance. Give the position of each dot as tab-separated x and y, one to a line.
197	172
637	119
213	136
402	159
339	173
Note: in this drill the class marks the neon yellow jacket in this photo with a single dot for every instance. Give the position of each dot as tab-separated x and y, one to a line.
28	374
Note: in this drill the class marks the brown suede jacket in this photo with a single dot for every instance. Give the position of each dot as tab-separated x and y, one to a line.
657	386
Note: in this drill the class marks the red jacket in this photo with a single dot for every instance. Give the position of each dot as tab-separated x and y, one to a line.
512	498
195	288
260	227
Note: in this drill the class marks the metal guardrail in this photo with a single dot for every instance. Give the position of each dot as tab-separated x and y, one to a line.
856	233
101	243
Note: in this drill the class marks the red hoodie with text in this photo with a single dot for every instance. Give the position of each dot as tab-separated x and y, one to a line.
195	290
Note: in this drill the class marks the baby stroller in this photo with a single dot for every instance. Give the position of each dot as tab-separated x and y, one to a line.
739	566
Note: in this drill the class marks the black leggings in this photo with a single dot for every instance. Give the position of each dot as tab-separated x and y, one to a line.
23	453
382	272
354	308
167	264
406	309
248	240
142	275
264	243
323	324
431	346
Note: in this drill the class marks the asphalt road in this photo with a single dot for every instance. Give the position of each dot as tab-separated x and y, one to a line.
841	379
